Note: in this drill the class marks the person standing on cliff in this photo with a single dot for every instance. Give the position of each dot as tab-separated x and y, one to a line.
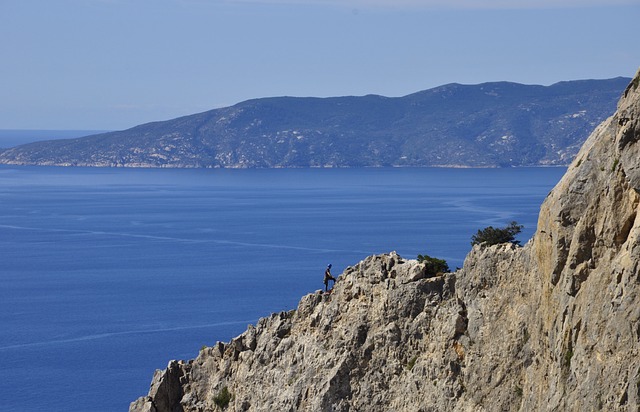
328	277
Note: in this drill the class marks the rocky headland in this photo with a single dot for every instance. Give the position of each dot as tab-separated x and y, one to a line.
499	124
552	325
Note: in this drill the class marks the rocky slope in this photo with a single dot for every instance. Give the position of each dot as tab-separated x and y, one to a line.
553	325
485	125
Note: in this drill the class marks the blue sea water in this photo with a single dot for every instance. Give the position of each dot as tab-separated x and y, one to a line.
107	274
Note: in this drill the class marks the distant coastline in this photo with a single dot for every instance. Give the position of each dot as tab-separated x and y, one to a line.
498	124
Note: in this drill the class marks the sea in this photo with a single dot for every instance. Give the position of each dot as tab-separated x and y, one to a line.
106	274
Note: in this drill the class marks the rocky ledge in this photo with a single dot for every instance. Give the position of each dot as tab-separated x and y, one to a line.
552	325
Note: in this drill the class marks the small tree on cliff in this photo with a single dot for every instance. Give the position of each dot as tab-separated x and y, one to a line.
493	236
433	265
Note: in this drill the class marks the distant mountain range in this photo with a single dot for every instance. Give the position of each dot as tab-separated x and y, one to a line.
498	124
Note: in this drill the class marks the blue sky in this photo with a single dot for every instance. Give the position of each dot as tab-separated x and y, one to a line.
113	64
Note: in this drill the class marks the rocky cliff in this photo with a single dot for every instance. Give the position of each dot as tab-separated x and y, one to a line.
552	325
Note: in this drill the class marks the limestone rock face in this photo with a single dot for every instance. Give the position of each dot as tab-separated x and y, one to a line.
552	325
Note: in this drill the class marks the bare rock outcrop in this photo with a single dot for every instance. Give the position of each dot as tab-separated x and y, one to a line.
553	325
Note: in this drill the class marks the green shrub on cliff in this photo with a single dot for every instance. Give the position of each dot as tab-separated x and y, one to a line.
493	236
433	265
223	398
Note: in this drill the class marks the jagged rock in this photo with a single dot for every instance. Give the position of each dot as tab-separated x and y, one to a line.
552	325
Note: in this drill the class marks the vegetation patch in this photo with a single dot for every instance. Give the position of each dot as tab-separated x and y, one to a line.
518	391
223	398
493	236
434	266
412	363
567	357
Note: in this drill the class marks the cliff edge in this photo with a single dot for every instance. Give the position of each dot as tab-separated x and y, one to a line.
552	325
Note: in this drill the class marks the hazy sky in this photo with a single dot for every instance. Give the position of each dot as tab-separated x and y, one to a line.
113	64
